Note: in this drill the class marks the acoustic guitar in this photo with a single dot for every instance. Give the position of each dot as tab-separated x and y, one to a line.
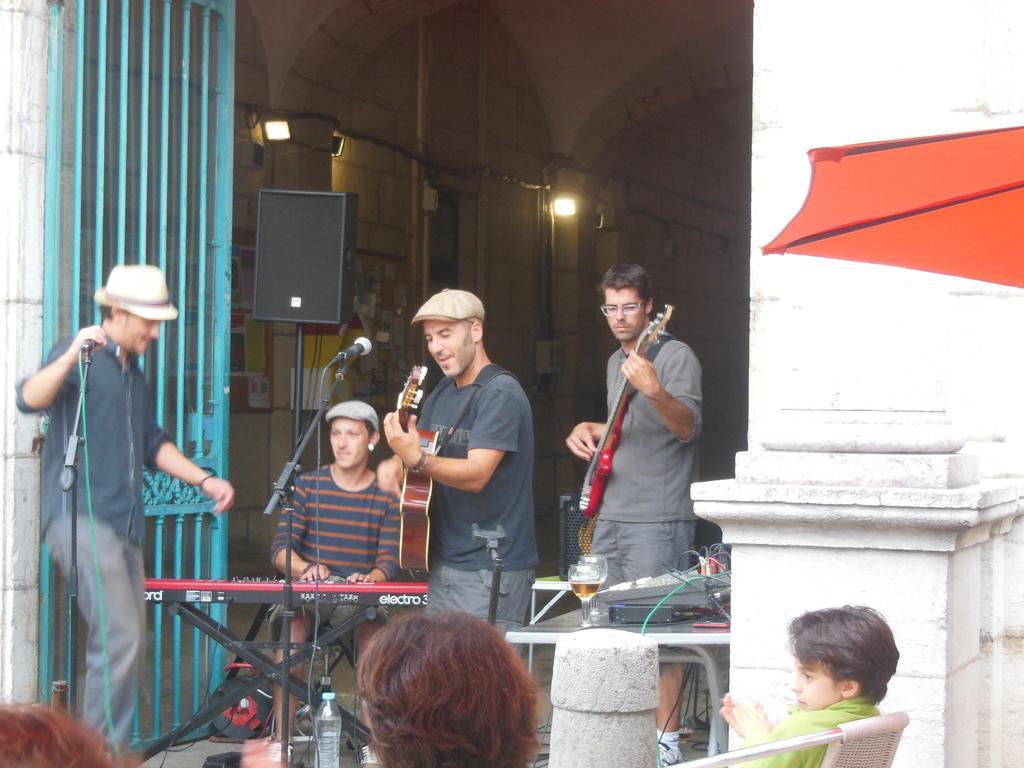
417	488
600	467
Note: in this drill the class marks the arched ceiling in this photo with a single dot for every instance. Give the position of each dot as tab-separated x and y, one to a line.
587	58
287	27
581	52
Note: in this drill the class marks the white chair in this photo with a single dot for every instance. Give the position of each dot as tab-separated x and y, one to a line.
867	743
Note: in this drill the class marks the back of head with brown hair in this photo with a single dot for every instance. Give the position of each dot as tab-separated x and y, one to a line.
852	643
32	736
445	690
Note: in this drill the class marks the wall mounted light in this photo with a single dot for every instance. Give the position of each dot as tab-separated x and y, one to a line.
276	130
280	125
564	206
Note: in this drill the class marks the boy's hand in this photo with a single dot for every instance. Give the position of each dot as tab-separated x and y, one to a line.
748	720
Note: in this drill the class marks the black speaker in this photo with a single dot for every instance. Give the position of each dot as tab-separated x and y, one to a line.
570	519
305	252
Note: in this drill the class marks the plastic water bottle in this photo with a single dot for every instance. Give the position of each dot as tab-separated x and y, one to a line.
328	732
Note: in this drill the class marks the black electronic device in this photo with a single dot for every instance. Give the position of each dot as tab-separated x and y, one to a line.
224	760
570	519
638	614
305	256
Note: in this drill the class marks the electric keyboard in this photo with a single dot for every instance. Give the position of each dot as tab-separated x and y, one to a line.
188	599
413	593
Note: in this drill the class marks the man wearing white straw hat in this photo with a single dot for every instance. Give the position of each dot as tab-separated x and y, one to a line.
122	437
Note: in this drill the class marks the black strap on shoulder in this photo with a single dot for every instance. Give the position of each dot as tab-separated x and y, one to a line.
655	348
485	377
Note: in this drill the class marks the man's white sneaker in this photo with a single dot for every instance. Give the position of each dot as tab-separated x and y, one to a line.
669	755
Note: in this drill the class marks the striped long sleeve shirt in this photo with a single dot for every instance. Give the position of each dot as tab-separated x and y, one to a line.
357	529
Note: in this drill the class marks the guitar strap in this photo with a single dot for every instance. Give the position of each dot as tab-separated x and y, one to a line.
655	348
488	374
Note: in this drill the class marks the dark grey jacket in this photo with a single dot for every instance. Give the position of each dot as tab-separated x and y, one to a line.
122	437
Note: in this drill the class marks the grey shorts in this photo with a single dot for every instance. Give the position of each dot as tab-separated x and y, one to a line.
635	550
470	591
327	615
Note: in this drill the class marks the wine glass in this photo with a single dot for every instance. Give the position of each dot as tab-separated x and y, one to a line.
585	580
601	563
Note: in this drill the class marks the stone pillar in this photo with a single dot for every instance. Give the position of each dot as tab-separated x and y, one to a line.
1002	645
876	509
604	690
23	27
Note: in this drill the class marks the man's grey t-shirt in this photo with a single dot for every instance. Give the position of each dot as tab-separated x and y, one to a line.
500	419
652	469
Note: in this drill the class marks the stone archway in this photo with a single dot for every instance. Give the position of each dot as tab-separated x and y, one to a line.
647	116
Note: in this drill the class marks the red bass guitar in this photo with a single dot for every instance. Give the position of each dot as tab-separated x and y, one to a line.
600	467
417	488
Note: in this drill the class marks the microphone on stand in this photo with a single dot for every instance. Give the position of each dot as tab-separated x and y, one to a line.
86	350
359	348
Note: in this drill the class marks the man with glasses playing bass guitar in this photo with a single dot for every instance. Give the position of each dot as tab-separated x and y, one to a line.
645	523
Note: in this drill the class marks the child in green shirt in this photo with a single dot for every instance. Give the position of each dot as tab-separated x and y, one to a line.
844	658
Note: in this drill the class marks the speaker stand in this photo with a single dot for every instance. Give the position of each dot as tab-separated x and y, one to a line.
300	344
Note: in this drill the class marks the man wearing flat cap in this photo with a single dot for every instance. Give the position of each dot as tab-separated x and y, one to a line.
345	527
484	472
123	437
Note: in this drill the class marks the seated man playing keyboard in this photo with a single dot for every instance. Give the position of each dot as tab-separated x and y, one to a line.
345	528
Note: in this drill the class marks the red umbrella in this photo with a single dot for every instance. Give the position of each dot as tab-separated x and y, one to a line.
952	204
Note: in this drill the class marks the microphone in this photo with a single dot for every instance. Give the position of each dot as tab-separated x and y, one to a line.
361	347
88	347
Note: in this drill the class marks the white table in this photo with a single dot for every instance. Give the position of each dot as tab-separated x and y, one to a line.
560	588
676	643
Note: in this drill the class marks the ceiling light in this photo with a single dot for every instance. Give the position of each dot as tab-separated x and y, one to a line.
564	206
276	130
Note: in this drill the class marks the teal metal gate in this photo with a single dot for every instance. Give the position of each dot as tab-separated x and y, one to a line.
139	170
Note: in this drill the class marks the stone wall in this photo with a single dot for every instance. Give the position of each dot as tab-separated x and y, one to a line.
23	38
831	334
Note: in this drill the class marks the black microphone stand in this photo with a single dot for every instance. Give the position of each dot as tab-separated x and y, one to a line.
69	486
490	539
284	487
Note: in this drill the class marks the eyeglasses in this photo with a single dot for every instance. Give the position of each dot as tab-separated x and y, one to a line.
627	309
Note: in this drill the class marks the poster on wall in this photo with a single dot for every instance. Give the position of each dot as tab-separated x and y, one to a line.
250	350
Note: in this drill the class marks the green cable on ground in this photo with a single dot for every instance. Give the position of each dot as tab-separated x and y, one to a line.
107	707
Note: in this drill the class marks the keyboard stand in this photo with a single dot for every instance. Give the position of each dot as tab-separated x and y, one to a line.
266	670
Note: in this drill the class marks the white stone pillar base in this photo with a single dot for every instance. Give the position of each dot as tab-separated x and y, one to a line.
604	690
